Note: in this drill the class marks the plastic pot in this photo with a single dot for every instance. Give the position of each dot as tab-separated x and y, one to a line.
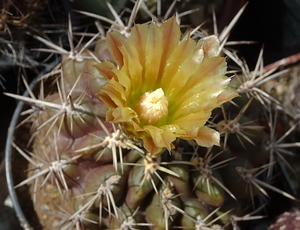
16	165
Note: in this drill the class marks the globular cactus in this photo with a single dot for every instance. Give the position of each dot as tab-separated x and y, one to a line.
287	220
126	134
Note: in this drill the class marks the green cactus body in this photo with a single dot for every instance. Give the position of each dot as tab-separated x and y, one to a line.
120	137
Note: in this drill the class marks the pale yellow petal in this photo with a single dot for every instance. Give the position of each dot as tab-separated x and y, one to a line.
150	145
207	69
152	60
171	35
109	71
210	46
121	115
201	97
113	94
179	68
228	94
106	69
132	66
138	37
162	138
133	58
205	136
192	120
190	76
114	41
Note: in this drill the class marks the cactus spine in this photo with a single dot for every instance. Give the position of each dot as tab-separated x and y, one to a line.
94	165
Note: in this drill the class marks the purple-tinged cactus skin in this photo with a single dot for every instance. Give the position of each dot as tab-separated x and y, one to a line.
146	127
287	220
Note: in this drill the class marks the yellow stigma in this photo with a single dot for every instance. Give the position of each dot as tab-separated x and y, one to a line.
152	107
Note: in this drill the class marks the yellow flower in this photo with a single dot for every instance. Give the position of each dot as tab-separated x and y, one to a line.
161	87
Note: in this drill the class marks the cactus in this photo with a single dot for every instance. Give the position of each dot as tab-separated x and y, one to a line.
287	220
125	133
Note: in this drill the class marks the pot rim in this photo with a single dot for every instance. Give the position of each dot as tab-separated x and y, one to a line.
8	166
8	148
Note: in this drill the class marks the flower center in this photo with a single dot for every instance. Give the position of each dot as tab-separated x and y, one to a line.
152	107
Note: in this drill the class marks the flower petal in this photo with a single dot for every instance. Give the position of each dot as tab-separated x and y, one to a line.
190	75
179	68
205	136
113	94
192	120
114	41
164	136
209	45
121	115
228	94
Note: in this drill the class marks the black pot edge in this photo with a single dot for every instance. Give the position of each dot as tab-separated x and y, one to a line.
8	150
8	167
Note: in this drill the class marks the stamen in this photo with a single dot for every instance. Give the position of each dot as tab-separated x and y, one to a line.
152	107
